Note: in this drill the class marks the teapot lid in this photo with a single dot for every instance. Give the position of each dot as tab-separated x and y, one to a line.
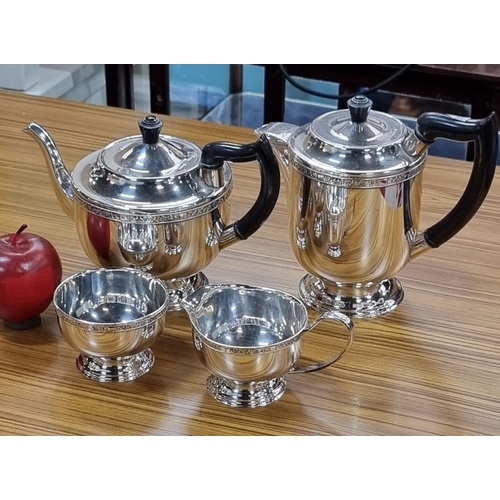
356	147
150	155
151	178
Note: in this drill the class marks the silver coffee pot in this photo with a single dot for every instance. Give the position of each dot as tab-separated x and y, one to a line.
158	202
354	188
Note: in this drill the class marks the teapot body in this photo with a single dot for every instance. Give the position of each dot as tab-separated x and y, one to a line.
160	203
169	250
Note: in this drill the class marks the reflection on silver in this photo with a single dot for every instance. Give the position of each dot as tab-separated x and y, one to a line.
138	243
360	300
248	338
173	238
318	225
211	238
334	251
170	251
359	238
336	209
330	214
354	195
179	289
146	204
301	238
112	317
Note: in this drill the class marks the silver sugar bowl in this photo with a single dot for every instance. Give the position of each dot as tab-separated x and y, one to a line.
112	317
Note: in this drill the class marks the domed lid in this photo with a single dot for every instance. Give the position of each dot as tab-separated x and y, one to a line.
150	155
356	147
149	178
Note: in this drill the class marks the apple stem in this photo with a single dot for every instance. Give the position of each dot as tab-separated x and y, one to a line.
19	231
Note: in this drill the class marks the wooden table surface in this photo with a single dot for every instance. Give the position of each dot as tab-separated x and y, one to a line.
431	367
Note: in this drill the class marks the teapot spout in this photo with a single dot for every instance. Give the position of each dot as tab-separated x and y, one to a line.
278	134
59	175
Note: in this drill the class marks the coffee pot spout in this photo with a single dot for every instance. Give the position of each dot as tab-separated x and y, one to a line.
278	134
59	175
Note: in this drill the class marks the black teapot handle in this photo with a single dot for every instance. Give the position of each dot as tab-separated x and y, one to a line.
484	133
213	156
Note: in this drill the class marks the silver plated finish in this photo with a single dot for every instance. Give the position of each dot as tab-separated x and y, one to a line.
364	301
122	369
332	150
245	395
148	204
178	290
248	338
354	195
353	240
134	199
112	317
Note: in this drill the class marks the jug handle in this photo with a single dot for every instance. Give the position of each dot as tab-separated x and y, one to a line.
213	156
484	133
327	316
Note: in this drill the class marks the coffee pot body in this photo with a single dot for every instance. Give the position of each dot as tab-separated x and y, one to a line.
354	181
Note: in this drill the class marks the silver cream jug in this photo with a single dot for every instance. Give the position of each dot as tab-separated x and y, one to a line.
250	337
354	187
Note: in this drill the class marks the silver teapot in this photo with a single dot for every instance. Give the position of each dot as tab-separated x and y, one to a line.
158	202
354	188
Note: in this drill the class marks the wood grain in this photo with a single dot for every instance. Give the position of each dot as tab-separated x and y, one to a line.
432	367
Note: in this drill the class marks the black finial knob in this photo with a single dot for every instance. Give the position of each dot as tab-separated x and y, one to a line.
150	129
359	107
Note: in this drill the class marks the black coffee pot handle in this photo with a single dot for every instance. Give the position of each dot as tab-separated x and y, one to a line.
484	133
215	154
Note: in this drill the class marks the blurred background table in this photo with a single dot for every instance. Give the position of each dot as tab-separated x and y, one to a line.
429	368
477	85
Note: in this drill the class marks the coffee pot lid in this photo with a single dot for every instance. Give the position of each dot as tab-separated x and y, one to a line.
149	177
356	146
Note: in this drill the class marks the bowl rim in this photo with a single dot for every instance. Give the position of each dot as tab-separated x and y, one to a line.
115	326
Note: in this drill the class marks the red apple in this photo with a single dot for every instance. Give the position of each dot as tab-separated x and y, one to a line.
30	270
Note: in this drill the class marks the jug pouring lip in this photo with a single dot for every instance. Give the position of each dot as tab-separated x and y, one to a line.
278	134
245	305
277	131
192	301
